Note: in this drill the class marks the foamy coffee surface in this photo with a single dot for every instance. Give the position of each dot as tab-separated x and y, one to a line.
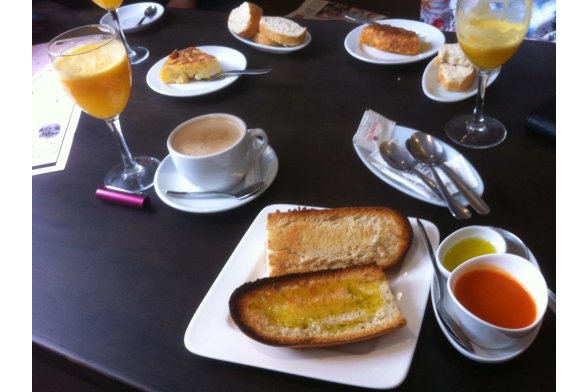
206	137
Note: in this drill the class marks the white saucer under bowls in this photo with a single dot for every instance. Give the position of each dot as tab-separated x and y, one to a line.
431	39
433	89
274	49
482	354
167	178
229	59
130	15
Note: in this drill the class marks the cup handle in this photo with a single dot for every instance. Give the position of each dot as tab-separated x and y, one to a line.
258	142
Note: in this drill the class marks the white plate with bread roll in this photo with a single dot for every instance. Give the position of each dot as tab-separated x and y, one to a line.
272	34
433	85
229	59
430	40
274	48
381	362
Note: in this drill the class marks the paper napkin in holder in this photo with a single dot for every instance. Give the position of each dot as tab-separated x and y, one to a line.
375	129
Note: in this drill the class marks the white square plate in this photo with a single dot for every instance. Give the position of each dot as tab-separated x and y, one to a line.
377	363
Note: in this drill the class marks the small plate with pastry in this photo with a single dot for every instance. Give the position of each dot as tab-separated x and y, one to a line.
332	294
450	77
394	41
184	73
272	34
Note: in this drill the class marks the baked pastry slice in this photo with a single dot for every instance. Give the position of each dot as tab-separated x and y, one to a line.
390	39
188	64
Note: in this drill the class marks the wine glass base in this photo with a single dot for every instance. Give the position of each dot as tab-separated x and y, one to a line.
139	56
138	178
461	131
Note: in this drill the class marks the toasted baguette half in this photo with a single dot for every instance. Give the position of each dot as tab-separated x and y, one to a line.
311	240
317	309
281	30
263	40
244	20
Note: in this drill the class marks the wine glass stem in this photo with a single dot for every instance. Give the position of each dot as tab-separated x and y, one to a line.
477	122
128	160
114	14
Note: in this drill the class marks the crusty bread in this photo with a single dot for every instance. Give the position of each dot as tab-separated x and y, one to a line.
455	71
390	39
317	309
244	20
310	240
263	40
456	77
281	30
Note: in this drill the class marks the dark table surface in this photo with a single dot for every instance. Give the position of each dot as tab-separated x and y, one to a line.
114	288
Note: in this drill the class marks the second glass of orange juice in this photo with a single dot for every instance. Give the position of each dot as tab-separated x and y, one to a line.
137	54
489	32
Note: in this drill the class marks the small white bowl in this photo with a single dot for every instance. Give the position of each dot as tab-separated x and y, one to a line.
484	333
482	232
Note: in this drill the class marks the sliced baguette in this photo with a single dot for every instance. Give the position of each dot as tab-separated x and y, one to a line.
263	40
310	240
281	30
455	71
244	20
317	309
456	77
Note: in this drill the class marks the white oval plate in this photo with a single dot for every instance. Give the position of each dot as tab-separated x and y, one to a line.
229	59
433	89
130	15
168	178
402	134
274	49
430	35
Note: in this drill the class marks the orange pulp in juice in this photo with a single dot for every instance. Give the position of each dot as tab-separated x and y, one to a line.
108	4
489	43
97	77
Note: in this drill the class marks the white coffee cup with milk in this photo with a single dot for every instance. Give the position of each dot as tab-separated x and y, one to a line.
214	151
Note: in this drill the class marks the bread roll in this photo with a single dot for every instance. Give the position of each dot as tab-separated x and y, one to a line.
281	30
317	309
310	240
390	39
244	20
455	71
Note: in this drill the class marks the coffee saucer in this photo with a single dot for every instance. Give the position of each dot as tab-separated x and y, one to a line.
168	178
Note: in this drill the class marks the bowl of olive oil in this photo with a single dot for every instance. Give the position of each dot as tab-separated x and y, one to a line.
467	243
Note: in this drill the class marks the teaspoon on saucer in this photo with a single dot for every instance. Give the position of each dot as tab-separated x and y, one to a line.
241	194
450	325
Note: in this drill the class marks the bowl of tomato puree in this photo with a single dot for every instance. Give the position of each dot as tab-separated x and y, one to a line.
499	299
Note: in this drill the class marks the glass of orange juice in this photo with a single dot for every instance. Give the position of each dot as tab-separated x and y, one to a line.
94	69
137	54
489	32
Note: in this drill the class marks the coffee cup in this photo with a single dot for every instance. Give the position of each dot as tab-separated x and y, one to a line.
214	151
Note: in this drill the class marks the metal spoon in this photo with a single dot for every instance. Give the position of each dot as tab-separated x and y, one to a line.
517	247
455	207
241	194
149	12
257	71
359	19
428	149
448	322
400	159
